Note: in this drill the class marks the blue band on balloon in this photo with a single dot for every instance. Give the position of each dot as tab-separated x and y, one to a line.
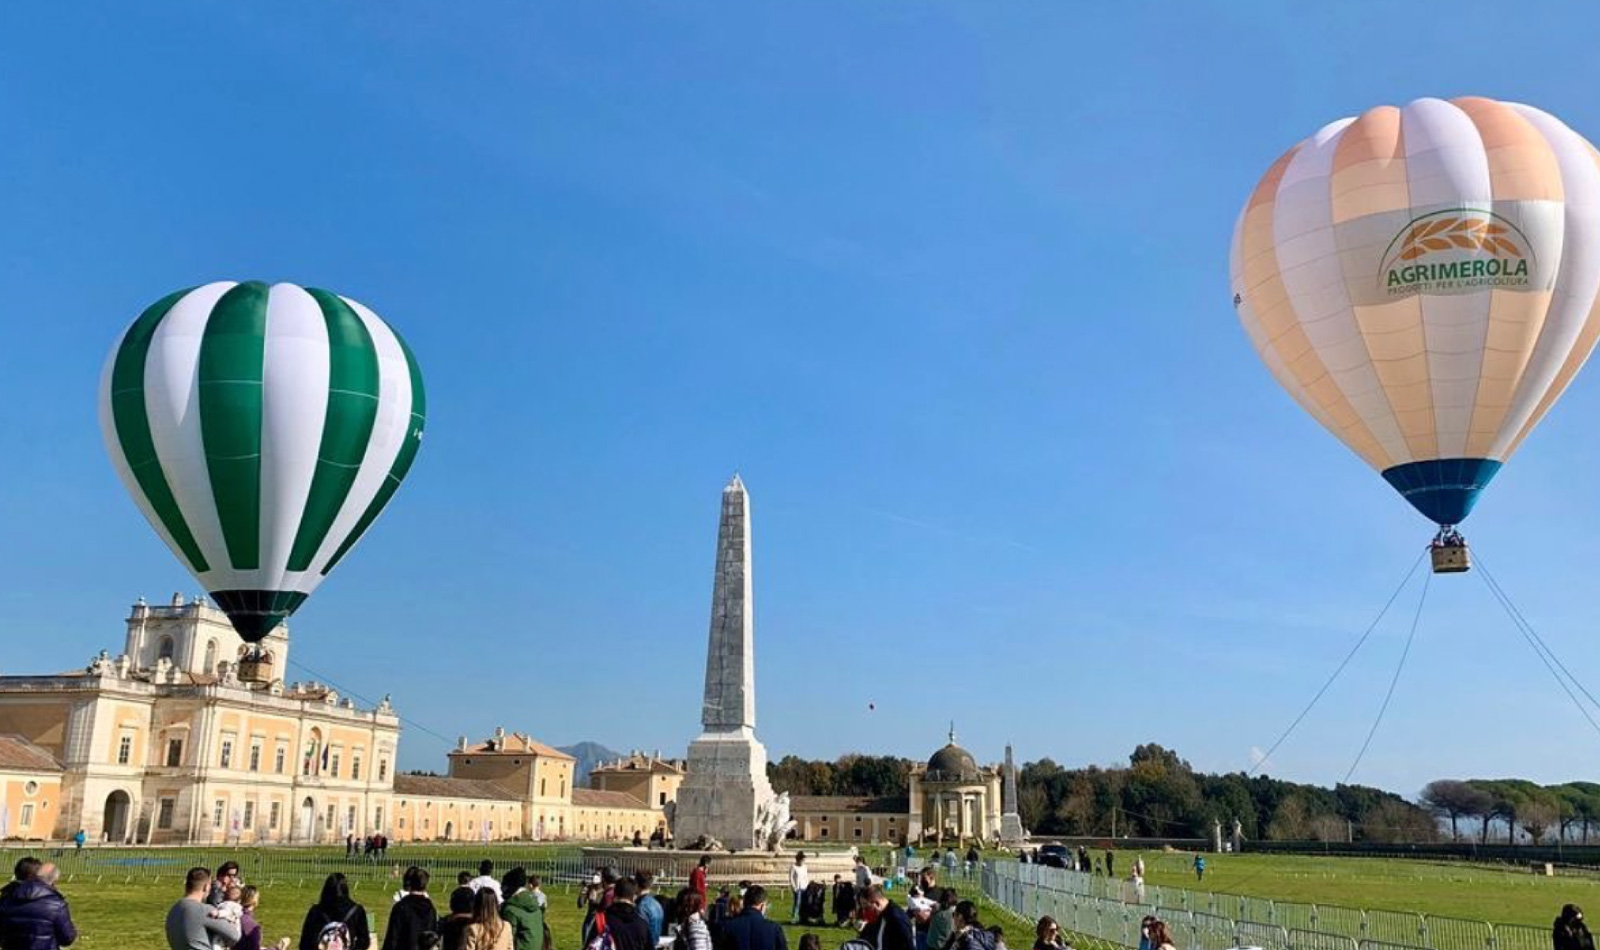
1444	490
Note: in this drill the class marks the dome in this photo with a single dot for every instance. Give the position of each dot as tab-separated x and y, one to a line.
953	764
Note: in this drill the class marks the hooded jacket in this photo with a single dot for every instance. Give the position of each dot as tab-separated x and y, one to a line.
34	916
522	911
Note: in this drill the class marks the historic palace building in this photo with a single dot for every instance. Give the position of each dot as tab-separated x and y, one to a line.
167	743
952	799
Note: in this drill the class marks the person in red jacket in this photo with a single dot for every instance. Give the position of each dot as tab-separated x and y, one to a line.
697	877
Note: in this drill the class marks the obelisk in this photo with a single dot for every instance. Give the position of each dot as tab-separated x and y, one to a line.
727	782
1011	831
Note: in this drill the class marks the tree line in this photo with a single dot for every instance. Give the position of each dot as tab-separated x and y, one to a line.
1159	795
1515	809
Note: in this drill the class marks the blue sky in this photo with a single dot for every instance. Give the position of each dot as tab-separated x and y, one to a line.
947	284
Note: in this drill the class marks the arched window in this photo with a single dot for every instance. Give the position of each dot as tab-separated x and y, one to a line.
165	650
211	657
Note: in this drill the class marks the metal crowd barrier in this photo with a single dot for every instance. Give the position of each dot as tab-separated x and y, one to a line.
1110	910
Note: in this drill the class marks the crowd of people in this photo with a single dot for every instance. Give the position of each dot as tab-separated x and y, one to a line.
620	912
372	847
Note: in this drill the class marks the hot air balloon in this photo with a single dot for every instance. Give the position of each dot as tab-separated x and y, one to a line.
1423	280
261	430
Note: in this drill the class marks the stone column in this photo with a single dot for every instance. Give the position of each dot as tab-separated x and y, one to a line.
727	782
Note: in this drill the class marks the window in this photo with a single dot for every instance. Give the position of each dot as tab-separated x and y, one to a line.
402	824
334	766
27	814
255	758
211	657
272	816
30	788
377	819
824	833
227	753
164	652
383	769
124	750
174	753
164	814
329	821
563	788
249	815
663	800
350	820
541	787
858	832
355	766
216	815
277	760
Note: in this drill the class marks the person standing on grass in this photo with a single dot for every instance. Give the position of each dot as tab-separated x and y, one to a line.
1199	867
888	927
485	879
453	929
863	875
799	877
33	914
693	933
1111	864
189	924
412	915
623	923
487	931
1570	932
335	914
650	908
522	910
751	930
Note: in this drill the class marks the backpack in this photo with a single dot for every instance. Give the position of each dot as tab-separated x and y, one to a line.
335	934
602	941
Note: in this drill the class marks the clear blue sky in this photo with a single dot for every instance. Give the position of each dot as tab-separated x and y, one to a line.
947	283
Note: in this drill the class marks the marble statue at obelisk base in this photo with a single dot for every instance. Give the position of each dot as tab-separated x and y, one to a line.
725	794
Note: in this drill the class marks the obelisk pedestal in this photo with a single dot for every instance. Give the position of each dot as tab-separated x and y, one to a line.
726	784
1011	831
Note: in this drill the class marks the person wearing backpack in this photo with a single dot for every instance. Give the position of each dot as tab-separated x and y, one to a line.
335	922
522	911
413	914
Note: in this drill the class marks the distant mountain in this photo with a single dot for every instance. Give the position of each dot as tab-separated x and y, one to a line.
589	755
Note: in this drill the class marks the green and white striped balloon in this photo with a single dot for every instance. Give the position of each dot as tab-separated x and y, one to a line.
261	429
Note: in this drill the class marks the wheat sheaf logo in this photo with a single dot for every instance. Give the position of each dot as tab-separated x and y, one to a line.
1456	250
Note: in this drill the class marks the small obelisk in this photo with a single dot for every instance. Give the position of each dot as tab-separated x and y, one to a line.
726	784
1011	831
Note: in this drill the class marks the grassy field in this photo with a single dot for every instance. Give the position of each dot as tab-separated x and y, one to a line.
1475	892
116	915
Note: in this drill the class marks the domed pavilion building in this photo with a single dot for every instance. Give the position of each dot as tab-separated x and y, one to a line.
953	799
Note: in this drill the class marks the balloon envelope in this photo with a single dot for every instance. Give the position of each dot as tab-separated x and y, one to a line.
261	429
1422	280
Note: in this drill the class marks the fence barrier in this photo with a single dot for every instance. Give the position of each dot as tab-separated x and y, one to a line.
1110	910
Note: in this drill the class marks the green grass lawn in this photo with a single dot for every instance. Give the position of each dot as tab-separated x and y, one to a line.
1475	892
115	914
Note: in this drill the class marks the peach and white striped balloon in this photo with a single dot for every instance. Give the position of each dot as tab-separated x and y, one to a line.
1423	280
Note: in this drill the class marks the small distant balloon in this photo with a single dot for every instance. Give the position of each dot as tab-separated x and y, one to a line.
871	706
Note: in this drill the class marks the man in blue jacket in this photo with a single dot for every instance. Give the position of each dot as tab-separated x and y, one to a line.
33	914
751	930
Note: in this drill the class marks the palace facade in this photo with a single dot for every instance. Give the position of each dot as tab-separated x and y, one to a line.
165	743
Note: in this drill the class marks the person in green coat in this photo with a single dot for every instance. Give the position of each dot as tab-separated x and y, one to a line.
522	911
